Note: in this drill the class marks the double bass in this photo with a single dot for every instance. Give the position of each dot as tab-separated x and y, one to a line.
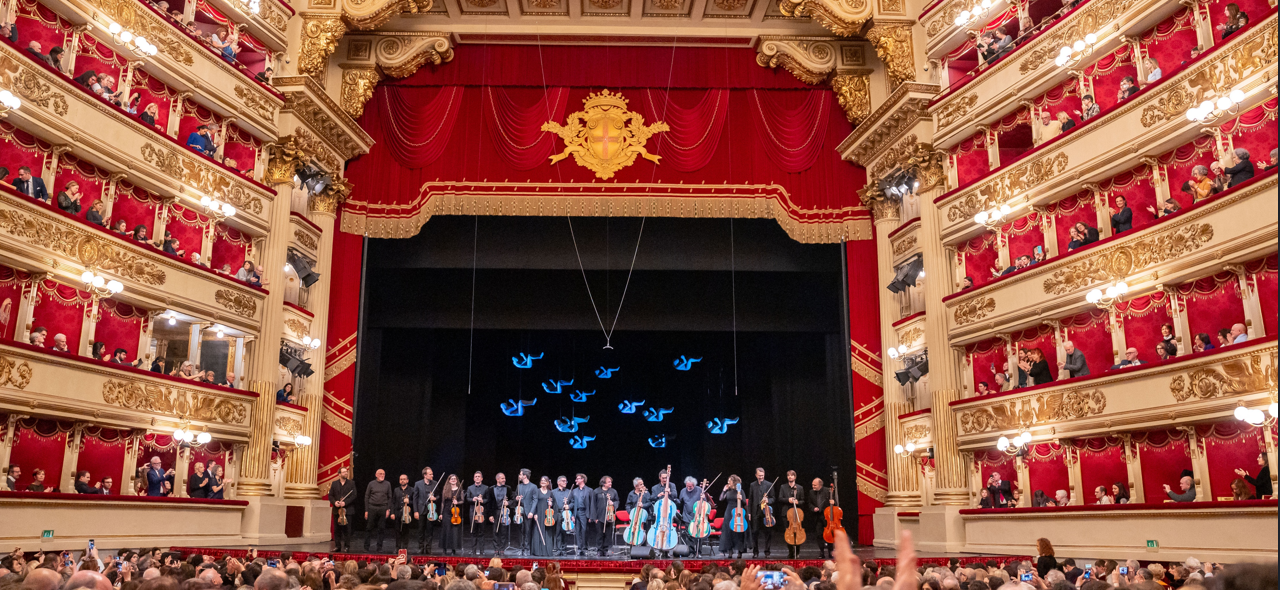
661	535
700	525
738	516
832	513
634	533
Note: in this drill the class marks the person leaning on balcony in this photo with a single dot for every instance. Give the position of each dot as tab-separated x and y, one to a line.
1066	121
1238	333
200	141
9	29
32	186
149	114
1127	88
285	394
1236	20
60	343
1185	483
1074	363
1169	207
967	284
1121	216
1130	358
1241	168
1088	233
1153	69
264	76
1201	343
34	49
69	198
1201	186
1262	482
1091	109
37	336
82	484
1219	178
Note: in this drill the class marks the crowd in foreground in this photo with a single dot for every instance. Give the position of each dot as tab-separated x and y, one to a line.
154	569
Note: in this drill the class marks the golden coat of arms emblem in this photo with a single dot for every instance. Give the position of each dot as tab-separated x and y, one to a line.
605	137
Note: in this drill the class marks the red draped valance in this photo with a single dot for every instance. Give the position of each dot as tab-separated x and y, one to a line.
744	142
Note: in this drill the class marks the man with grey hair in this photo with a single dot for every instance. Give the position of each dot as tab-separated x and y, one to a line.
60	342
1074	362
87	579
404	572
1188	494
42	579
1274	154
1054	576
271	579
1241	168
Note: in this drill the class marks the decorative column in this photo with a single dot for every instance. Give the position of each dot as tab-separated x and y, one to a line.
89	327
1075	480
144	336
1253	320
1181	323
163	212
1049	230
10	434
75	443
1203	26
1159	179
109	189
993	147
27	304
73	48
1102	208
126	80
1133	460
1023	472
50	172
1270	443
182	464
221	138
129	470
175	110
1115	326
1002	249
1199	465
206	246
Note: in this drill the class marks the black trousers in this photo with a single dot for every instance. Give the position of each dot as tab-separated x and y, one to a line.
580	535
404	530
377	521
341	534
603	532
426	534
501	537
526	534
478	532
815	534
756	532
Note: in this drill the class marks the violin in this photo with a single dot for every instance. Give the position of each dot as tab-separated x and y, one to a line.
700	525
477	514
664	513
738	516
634	533
505	518
609	510
549	515
833	513
455	513
432	513
518	517
567	521
795	525
769	519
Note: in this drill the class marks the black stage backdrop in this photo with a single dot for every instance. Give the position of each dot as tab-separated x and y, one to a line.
418	352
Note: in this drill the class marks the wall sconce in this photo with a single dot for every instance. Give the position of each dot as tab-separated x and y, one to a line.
134	43
1257	417
1108	297
1210	111
1071	55
897	352
253	6
1015	446
967	16
9	102
184	434
994	217
904	451
217	209
309	342
302	440
99	285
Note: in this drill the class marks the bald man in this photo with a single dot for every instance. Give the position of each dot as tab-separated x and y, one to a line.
88	579
271	579
1238	334
1185	484
42	579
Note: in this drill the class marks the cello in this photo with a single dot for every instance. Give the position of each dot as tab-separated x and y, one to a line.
833	513
664	513
634	533
738	516
795	535
700	525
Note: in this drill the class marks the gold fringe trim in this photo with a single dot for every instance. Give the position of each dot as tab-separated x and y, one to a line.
340	364
825	226
868	428
867	371
337	422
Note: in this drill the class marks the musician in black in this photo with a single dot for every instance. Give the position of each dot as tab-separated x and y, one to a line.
580	502
732	541
377	508
560	497
760	494
688	502
424	498
342	497
402	499
496	499
819	498
602	516
525	491
791	497
664	487
475	496
638	495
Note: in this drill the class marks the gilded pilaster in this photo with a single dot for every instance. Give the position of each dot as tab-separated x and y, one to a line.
944	365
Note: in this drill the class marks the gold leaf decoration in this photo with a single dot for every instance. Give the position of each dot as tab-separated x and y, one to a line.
1121	261
289	425
1251	53
904	245
605	137
1237	376
893	45
16	374
974	310
1090	18
82	246
306	239
201	177
1030	411
336	422
953	111
357	88
854	93
134	17
173	401
1008	185
33	88
296	326
256	102
915	432
237	302
842	17
320	36
912	335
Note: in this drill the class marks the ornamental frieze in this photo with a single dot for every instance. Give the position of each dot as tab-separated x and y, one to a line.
915	432
179	402
853	90
297	327
289	425
1121	261
1030	411
842	17
237	302
893	45
1007	186
1245	375
320	36
201	177
256	102
89	250
134	17
904	245
1091	18
307	240
955	110
16	374
974	310
809	59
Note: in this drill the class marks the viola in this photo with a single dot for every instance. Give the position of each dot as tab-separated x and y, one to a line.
634	533
433	514
567	521
477	514
549	515
518	517
833	514
700	525
738	516
609	510
505	518
767	509
795	525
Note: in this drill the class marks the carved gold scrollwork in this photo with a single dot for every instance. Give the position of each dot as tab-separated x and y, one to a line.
256	102
305	239
609	119
842	17
134	17
332	197
201	177
320	36
974	310
808	59
1236	376
893	45
357	88
904	245
1040	409
955	110
1008	185
238	303
172	401
854	93
1216	78
289	425
1122	261
297	327
89	250
1091	18
35	89
13	373
915	432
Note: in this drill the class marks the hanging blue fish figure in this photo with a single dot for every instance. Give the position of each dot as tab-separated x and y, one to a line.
580	396
718	426
658	442
684	364
525	361
627	407
657	414
516	408
555	386
604	373
569	424
580	442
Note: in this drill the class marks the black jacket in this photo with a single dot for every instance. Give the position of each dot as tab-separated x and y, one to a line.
340	491
198	485
1261	483
1239	173
398	497
95	218
34	188
1122	221
1040	372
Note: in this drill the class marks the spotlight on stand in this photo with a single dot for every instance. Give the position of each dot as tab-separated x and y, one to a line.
907	274
916	367
314	179
303	266
291	359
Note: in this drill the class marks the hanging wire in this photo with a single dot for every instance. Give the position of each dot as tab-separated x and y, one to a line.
733	289
471	346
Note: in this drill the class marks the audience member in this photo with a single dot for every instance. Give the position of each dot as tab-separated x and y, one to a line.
199	483
139	234
149	115
1038	368
9	29
1127	88
1089	234
1275	155
12	477
1201	343
983	388
96	213
159	481
1066	121
1041	500
1074	364
1241	168
1201	186
201	141
1166	350
37	482
1238	333
1219	179
1045	561
1121	216
34	49
264	76
285	394
1002	382
121	227
1001	491
60	343
1091	108
32	186
1076	240
967	284
69	198
37	336
1236	20
1168	207
1100	493
1062	498
1262	482
1153	69
1185	483
82	484
1120	492
1047	129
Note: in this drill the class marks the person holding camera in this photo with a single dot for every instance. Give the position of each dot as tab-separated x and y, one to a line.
1001	491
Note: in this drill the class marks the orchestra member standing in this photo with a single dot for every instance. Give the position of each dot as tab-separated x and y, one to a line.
495	497
476	493
402	500
732	542
377	508
543	541
791	497
342	495
452	496
580	501
761	494
560	495
424	496
525	490
604	500
819	498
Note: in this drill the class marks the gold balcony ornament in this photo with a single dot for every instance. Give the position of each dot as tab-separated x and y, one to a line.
1015	445
1070	55
217	210
1210	111
1256	417
135	43
1107	297
967	16
605	137
99	285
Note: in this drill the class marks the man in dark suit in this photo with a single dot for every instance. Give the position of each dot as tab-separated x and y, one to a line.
32	186
1001	492
760	494
342	493
159	481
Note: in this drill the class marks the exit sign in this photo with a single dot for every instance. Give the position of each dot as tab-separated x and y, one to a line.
46	534
1153	544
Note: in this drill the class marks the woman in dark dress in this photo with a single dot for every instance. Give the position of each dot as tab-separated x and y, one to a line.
451	534
731	541
1039	367
543	536
1046	562
217	485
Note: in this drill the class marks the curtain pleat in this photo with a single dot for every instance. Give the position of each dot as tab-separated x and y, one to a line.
516	131
792	137
695	132
418	131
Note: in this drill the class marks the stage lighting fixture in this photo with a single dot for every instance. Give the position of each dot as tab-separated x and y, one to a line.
903	376
919	370
906	274
303	267
308	176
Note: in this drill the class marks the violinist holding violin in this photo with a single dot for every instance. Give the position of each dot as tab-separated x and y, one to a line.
402	500
342	497
525	490
604	505
733	497
819	498
760	495
791	497
453	514
425	502
497	500
476	494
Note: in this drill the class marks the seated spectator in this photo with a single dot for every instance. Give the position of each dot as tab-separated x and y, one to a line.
55	58
1121	216
139	234
285	394
11	480
149	115
1201	343
1201	186
1120	492
187	371
32	186
1262	482
1236	20
1275	154
109	89
1219	179
1038	368
1241	168
1047	128
1002	382
119	355
1074	364
1100	493
1185	484
1019	263
96	212
984	499
98	351
134	100
1224	337
9	29
1169	207
121	227
201	141
1127	88
1066	121
1016	502
82	484
1238	334
1040	500
1076	240
249	275
159	481
87	79
1062	498
1153	69
987	47
1089	233
983	388
34	49
209	377
1193	54
1130	358
1166	350
1091	109
60	343
69	198
157	365
968	283
1240	490
170	245
37	336
1037	254
264	76
37	481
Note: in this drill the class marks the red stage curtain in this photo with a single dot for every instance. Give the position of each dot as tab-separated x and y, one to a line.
120	326
136	206
868	394
1024	236
695	132
418	131
1255	130
516	130
187	225
61	310
102	455
1164	456
153	91
241	147
1213	303
1075	209
980	256
1088	331
340	349
1229	446
971	159
1170	42
1135	186
1101	464
19	148
1263	274
1106	73
10	297
1039	337
788	134
1142	318
1047	470
36	22
982	356
229	248
40	444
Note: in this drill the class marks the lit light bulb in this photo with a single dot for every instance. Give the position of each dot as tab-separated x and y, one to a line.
179	435
902	349
205	201
1065	51
981	217
897	449
228	210
1236	96
315	343
1091	38
1122	287
204	438
1255	417
1206	107
115	286
1003	443
302	440
1271	409
172	320
1093	296
87	277
1193	114
114	28
1077	46
99	282
986	4
126	36
921	275
1223	103
220	332
1241	412
140	42
893	353
911	447
1060	61
306	340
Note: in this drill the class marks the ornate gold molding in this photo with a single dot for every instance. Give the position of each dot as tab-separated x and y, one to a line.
82	246
1214	79
974	310
1041	409
955	110
16	374
911	335
255	101
174	401
911	155
134	17
608	112
853	90
1236	376
318	119
332	197
288	425
31	86
915	432
893	45
1007	185
1119	262
201	177
896	116
1088	19
357	88
904	245
320	36
367	15
398	55
307	240
842	17
238	303
336	422
297	327
810	59
881	206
